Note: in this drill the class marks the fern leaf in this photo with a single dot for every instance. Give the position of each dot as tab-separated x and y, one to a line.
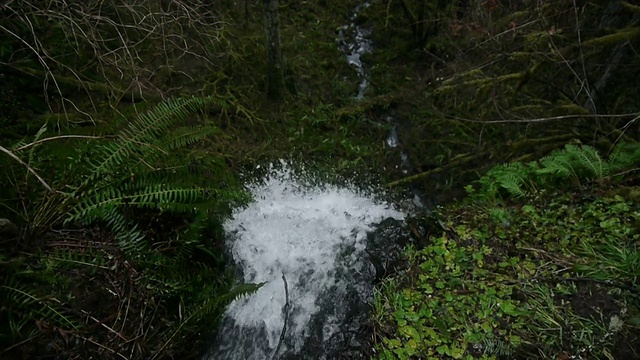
212	305
132	241
624	157
589	159
513	184
146	129
33	306
510	177
556	165
561	164
186	136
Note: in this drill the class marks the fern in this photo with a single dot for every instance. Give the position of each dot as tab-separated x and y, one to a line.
158	196
624	156
191	239
589	160
18	299
497	348
146	130
559	165
573	163
510	177
513	182
66	258
186	136
135	171
211	306
162	202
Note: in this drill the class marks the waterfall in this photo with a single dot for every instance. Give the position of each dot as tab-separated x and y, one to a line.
314	239
353	40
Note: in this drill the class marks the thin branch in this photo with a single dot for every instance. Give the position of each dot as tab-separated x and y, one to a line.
585	79
118	37
104	325
57	138
455	161
285	310
101	346
13	156
552	118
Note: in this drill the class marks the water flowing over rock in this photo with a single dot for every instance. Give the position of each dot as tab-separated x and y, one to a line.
318	238
353	40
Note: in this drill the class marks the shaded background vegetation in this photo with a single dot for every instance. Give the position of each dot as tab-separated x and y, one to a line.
467	85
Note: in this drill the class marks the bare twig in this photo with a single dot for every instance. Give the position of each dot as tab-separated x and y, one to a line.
545	119
102	346
13	156
131	39
105	326
20	343
455	161
56	138
626	127
285	311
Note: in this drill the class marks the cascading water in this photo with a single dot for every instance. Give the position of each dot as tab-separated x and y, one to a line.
354	42
314	240
317	250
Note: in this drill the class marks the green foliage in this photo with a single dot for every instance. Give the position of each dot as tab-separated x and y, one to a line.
154	243
130	172
456	303
573	165
510	177
560	276
553	273
25	307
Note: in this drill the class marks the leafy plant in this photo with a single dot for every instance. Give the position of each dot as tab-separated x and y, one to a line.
26	307
574	163
559	278
434	315
152	230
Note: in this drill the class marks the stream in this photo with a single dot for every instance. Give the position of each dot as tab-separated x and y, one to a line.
317	250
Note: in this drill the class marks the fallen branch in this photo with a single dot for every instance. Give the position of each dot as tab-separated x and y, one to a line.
57	138
285	310
456	161
552	118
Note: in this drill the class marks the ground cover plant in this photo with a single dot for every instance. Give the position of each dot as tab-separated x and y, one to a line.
551	273
108	211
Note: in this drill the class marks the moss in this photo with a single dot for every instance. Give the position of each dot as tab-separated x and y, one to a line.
619	37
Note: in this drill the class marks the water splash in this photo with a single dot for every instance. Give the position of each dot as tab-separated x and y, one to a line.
316	237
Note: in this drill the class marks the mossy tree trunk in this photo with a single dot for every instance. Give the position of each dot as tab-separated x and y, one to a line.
275	62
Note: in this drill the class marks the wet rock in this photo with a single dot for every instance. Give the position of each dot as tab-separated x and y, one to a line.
385	245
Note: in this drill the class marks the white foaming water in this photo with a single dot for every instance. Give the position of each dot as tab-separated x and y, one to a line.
298	231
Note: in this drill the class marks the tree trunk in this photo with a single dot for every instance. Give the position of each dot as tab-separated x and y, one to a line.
614	17
275	63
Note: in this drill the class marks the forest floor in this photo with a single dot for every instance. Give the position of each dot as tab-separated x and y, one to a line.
551	274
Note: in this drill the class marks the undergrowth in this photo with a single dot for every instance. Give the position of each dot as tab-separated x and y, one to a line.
547	268
118	253
573	166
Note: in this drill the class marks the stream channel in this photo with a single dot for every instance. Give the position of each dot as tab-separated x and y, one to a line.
317	249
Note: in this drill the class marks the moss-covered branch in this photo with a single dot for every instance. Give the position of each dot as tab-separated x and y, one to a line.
620	36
